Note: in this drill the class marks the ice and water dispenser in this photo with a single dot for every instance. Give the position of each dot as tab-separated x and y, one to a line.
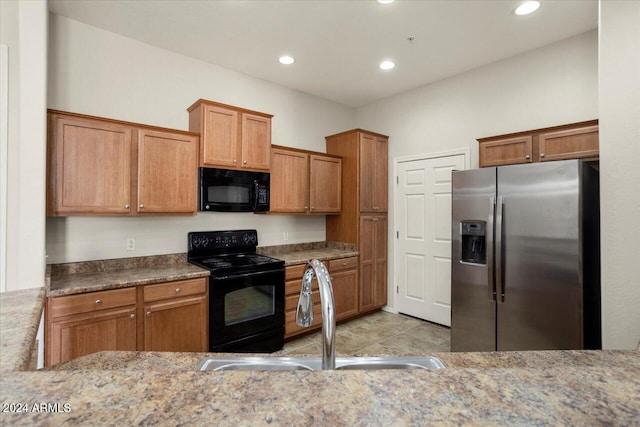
474	248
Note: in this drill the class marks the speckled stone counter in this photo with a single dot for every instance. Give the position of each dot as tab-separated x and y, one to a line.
563	393
79	277
303	252
20	313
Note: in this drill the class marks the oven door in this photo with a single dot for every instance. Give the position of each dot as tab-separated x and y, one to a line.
245	307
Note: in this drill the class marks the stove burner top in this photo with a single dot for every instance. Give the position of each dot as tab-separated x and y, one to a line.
236	260
229	252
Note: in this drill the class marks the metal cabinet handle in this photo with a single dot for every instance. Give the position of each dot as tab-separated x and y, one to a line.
235	161
313	208
126	206
244	162
141	206
527	157
541	155
133	316
148	313
178	290
98	302
306	207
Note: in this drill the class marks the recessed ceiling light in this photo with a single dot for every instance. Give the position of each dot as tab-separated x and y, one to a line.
387	65
286	60
527	7
385	1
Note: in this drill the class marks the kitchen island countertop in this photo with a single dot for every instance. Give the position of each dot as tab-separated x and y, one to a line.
539	388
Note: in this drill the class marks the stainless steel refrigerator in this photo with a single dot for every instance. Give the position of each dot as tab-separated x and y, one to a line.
526	258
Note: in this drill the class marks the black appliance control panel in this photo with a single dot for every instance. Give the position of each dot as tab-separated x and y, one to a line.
212	242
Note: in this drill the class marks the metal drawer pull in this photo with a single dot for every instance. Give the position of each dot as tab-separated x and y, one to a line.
527	156
126	206
178	290
541	154
244	162
148	313
141	206
133	316
98	302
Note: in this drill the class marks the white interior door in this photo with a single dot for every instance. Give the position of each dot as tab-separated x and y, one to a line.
423	237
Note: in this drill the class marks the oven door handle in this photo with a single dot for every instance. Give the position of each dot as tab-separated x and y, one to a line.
241	275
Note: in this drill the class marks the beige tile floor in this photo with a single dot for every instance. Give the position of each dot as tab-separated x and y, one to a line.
380	333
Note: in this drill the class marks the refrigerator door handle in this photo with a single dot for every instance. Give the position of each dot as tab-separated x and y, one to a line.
499	251
490	265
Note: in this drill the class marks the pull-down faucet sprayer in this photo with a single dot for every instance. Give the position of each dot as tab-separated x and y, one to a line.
304	313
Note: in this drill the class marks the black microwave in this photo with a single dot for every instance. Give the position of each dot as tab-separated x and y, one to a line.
228	190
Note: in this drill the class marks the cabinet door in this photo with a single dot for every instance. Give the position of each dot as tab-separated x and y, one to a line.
569	144
256	142
85	334
325	188
373	173
345	293
167	172
220	137
373	262
289	190
508	151
179	324
89	166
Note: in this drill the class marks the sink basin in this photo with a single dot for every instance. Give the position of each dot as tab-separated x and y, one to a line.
258	363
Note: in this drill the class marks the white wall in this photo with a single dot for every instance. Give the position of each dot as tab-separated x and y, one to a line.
24	31
553	85
96	72
620	175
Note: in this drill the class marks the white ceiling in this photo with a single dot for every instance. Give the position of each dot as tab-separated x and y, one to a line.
339	44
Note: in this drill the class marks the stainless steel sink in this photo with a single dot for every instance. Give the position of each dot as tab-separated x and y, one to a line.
260	363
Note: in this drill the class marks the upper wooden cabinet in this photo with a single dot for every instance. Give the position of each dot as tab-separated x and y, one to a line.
304	182
373	173
232	137
100	166
572	141
167	163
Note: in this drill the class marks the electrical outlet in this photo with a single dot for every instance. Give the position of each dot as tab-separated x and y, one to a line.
285	235
131	244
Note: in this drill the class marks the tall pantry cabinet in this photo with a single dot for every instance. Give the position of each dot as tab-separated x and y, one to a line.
364	209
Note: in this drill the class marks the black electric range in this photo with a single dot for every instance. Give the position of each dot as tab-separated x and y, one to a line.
246	291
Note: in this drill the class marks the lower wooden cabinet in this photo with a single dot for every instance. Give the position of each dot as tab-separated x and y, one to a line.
344	278
176	316
79	335
373	262
171	316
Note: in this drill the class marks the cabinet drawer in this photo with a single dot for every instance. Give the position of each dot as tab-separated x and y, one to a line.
292	287
336	265
291	301
294	272
92	301
175	289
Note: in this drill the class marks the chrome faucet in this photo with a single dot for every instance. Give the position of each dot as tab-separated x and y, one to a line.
304	313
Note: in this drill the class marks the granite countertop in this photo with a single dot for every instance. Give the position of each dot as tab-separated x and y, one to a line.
521	388
90	276
20	313
301	253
